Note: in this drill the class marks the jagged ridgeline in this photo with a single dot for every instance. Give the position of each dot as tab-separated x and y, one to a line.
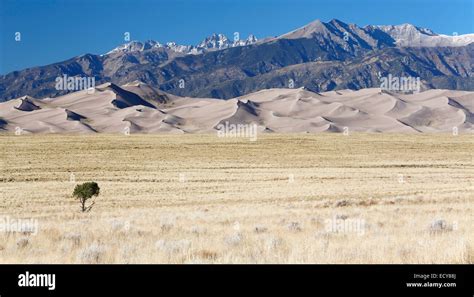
319	56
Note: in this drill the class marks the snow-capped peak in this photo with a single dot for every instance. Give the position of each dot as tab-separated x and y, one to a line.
215	41
251	39
179	48
128	47
405	30
242	42
410	35
134	46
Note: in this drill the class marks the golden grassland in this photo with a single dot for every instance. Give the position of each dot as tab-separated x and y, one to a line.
389	198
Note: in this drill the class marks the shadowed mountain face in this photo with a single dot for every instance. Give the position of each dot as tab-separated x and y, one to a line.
319	56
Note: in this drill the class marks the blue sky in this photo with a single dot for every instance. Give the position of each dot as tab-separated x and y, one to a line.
55	30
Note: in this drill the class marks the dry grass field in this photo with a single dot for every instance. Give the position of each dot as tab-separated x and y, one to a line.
296	198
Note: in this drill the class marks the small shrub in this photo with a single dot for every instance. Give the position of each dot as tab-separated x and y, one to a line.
342	203
165	227
233	240
118	225
341	217
22	242
260	229
173	246
439	226
294	227
84	192
92	254
207	255
196	230
75	238
273	243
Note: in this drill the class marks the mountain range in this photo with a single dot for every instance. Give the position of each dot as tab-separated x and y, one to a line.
213	42
319	57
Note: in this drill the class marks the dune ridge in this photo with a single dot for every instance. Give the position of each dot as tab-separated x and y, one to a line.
139	108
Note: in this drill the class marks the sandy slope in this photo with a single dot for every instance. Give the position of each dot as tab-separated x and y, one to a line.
138	108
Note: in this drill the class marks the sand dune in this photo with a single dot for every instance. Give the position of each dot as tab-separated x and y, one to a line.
139	108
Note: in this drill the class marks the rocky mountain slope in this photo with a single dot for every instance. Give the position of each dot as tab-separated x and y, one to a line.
319	56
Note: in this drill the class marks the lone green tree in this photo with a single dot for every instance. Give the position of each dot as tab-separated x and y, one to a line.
84	192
